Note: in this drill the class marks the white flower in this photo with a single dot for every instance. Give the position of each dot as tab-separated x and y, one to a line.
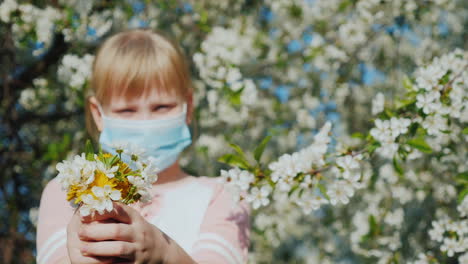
88	205
106	192
388	149
135	150
308	182
427	102
434	124
305	119
289	165
102	202
352	33
259	196
463	259
378	103
437	231
463	207
75	70
142	187
69	174
428	77
308	203
285	184
119	145
148	172
340	192
241	178
395	218
109	172
399	125
349	164
215	144
450	245
87	168
6	8
381	131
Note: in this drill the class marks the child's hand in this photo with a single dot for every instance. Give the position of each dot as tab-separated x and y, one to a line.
122	233
74	244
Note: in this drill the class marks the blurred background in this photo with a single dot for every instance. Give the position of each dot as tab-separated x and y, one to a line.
272	67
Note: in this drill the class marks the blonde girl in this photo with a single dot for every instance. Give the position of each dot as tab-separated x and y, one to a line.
141	96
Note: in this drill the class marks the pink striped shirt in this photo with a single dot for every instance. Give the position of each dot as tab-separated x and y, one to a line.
217	230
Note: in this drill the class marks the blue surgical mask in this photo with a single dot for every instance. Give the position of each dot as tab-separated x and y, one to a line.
161	140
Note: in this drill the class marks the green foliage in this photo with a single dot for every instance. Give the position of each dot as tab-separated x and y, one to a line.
89	150
258	152
420	144
57	150
235	161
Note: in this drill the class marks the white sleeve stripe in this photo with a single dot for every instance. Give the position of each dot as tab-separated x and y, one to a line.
52	250
50	241
218	249
219	239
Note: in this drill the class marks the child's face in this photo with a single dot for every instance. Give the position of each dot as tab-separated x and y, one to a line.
157	104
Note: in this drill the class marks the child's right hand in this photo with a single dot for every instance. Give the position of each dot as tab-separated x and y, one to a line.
74	244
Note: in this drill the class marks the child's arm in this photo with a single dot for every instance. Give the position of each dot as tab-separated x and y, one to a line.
225	232
63	260
54	214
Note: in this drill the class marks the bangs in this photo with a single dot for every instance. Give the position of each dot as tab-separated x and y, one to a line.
132	64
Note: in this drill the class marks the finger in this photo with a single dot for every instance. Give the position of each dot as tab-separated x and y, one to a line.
95	231
98	260
120	213
120	249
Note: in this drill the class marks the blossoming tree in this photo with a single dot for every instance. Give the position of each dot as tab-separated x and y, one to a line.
346	118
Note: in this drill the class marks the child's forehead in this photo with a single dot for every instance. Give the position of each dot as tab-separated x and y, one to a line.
152	96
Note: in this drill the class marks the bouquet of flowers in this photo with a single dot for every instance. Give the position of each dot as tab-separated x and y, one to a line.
93	181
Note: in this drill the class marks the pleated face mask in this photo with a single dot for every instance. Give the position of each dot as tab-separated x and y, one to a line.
159	140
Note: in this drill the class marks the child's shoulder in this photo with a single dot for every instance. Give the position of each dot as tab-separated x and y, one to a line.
222	196
53	188
212	183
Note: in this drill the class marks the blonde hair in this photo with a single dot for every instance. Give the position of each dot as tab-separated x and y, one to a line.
133	61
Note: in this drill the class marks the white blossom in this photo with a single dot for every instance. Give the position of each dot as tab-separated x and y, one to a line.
259	196
378	103
340	192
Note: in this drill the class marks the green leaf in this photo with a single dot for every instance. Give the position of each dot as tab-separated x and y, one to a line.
420	144
374	227
397	165
462	178
463	175
445	79
294	188
388	113
89	150
113	160
238	150
413	129
357	135
323	190
260	148
407	83
372	147
462	195
234	160
465	131
344	5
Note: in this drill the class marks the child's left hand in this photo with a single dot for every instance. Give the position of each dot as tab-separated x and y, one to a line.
123	233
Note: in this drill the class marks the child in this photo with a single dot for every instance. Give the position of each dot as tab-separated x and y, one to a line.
141	94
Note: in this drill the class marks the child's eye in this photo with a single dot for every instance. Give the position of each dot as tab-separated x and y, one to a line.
126	110
162	107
